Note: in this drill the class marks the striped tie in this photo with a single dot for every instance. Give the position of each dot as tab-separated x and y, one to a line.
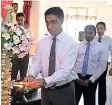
99	40
52	59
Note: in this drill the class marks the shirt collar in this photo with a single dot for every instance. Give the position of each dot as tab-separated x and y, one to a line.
59	37
91	42
103	36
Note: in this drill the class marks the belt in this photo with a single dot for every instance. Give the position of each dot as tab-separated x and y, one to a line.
59	87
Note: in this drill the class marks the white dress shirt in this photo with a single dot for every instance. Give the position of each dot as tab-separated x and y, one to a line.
66	54
97	59
107	41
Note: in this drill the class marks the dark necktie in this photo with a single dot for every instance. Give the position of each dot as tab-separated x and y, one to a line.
99	40
52	58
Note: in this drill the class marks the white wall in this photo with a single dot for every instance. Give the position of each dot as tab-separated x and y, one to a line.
34	23
20	4
103	13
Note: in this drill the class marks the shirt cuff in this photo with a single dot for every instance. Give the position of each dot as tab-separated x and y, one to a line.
48	81
93	79
76	77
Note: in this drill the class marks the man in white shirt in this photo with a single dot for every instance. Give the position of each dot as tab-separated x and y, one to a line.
55	57
13	14
90	64
107	41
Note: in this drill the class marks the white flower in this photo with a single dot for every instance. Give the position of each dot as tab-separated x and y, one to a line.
21	47
18	32
10	24
5	45
13	28
22	27
8	46
16	50
3	29
16	39
28	35
6	36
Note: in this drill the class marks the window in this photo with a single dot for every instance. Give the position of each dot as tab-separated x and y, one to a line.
73	27
76	18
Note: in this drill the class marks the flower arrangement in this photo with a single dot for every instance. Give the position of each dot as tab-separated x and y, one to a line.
15	40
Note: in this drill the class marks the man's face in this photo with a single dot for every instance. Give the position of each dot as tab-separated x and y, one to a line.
54	24
100	29
15	7
89	34
20	20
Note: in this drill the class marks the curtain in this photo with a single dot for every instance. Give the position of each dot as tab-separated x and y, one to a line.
3	10
26	10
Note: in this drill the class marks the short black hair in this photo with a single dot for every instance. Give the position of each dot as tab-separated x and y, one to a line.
19	14
55	11
14	4
90	27
101	23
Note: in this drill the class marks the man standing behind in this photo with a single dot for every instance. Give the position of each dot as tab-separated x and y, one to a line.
90	64
11	13
107	41
55	57
20	63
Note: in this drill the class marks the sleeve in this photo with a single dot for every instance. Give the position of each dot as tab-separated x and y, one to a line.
13	16
103	58
75	72
76	75
66	67
110	49
36	66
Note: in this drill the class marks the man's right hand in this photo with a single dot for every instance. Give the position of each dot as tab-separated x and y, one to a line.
29	78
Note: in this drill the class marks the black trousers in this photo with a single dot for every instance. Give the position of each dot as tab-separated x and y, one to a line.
61	96
102	88
19	64
87	91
